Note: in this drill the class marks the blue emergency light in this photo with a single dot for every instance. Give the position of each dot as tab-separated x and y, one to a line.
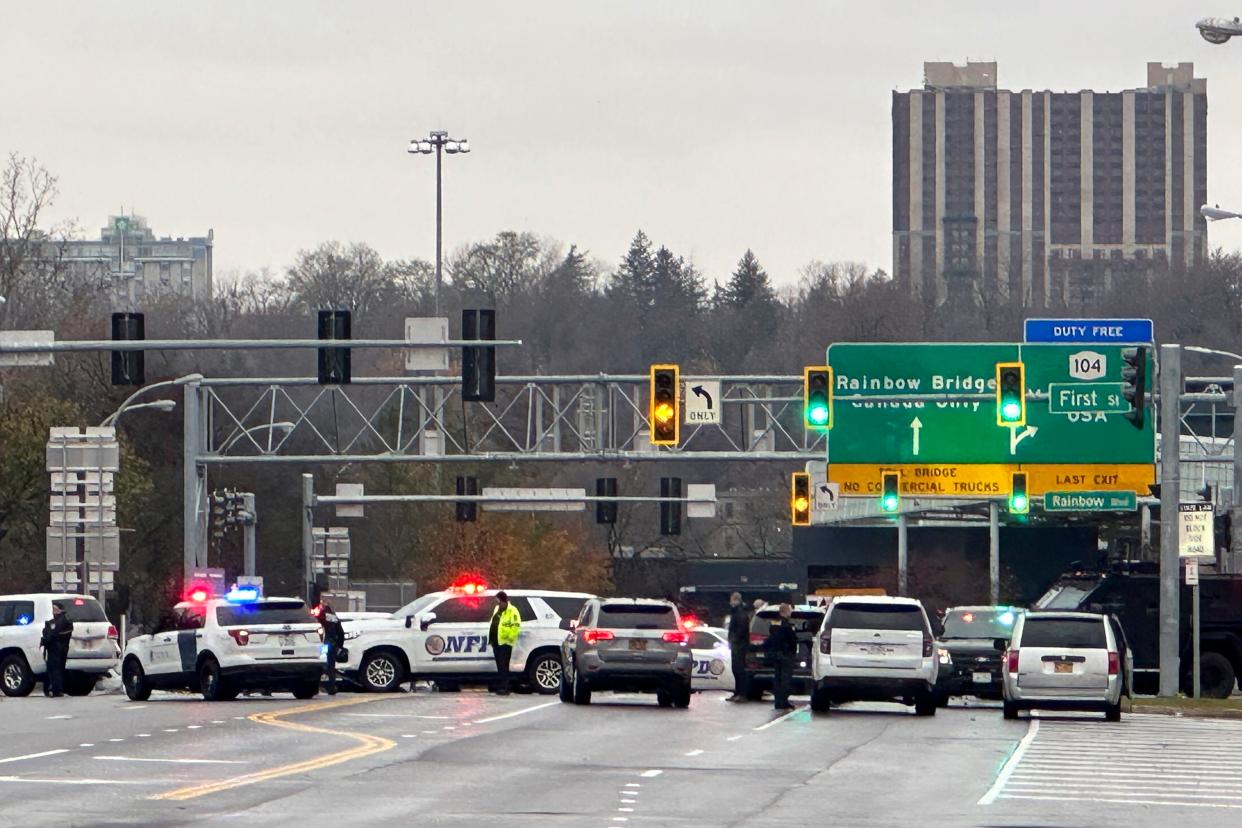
242	594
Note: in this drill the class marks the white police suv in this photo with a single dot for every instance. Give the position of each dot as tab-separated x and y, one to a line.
221	646
442	637
92	650
713	669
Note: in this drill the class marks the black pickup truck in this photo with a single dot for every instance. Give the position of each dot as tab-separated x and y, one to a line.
1132	594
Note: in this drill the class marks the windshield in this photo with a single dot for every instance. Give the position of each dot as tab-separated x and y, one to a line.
877	617
637	617
416	606
1067	633
1065	596
991	623
267	612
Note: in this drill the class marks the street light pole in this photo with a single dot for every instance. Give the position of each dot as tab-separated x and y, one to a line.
439	142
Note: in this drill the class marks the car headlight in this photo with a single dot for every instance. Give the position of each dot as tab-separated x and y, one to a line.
945	658
350	636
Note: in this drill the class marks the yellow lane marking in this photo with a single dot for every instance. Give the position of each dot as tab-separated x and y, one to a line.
367	745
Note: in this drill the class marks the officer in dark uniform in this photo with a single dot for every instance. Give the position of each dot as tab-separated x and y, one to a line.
781	647
334	638
55	642
739	642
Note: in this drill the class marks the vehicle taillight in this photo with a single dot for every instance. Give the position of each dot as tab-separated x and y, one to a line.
1114	663
825	644
595	636
756	638
242	637
1011	661
112	633
676	637
928	645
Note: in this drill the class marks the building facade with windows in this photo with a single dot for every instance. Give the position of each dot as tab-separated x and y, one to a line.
132	265
1043	199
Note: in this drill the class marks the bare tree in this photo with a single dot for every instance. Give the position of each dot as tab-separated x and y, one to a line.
32	276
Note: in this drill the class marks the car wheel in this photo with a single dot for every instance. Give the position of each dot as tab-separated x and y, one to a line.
380	672
942	699
1112	713
582	692
1216	676
1010	709
820	702
306	690
681	697
664	698
544	674
211	681
925	705
79	684
15	676
137	688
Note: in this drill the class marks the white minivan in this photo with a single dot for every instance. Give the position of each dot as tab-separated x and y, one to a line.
1066	661
93	649
875	648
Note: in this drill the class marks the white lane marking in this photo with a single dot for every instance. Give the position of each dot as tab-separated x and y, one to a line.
524	710
780	719
1126	801
59	717
734	738
32	781
87	744
626	810
395	716
629	801
116	740
171	729
217	721
650	774
1010	765
633	784
193	727
33	755
1095	790
144	735
173	761
132	706
431	731
409	735
240	718
693	752
450	727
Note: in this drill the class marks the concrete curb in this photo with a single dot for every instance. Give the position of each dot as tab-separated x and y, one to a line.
1190	713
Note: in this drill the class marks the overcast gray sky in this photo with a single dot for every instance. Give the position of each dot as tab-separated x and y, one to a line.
713	126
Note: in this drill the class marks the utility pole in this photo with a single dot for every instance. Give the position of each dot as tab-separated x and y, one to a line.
994	552
308	537
1232	558
1170	496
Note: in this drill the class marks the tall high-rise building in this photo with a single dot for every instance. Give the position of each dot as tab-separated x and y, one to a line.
1041	199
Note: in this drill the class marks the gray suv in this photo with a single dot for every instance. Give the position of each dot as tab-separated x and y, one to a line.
633	645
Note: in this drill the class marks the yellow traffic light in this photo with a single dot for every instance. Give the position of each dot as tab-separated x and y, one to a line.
800	499
662	405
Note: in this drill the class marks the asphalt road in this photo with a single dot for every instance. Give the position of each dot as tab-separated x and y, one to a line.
470	759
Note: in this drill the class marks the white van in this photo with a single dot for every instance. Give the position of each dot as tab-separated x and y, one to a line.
93	649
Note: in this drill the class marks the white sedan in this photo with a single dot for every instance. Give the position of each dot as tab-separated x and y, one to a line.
712	666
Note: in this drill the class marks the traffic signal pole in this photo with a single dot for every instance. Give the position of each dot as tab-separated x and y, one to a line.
1233	557
1170	487
994	552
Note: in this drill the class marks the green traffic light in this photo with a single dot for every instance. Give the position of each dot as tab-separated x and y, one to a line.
1011	411
1018	503
818	413
889	503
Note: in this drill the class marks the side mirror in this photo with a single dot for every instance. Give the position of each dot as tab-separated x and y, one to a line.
409	621
426	620
1001	644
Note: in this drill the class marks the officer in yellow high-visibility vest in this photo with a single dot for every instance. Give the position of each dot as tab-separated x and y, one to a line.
503	634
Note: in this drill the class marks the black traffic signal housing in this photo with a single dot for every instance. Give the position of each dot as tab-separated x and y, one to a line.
817	397
800	499
1222	526
1019	498
1205	494
1010	394
890	491
606	510
664	405
334	362
670	506
1134	383
478	362
128	367
467	510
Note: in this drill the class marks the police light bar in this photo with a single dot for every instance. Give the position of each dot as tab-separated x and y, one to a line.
242	593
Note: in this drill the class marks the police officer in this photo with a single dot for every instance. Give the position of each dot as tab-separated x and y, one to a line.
739	642
57	633
503	634
781	647
334	638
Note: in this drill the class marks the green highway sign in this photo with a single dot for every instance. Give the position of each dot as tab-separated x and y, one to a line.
1087	427
1066	397
1090	501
